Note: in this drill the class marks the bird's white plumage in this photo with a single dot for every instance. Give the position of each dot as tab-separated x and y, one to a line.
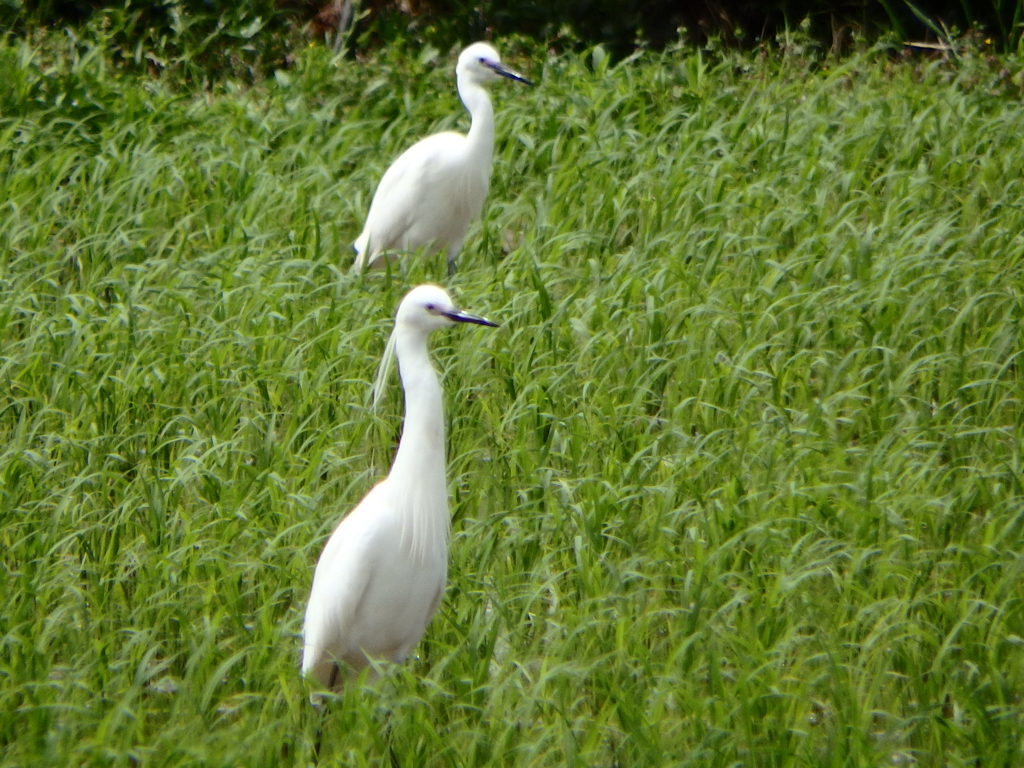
430	194
382	572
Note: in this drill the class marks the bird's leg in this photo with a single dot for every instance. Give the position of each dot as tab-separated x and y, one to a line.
319	735
390	737
451	252
323	716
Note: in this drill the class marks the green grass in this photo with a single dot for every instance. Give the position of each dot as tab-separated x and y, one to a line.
738	481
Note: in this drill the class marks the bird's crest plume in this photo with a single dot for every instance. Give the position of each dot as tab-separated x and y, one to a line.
387	362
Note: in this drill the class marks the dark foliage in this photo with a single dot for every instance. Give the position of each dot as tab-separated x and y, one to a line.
621	24
202	36
237	36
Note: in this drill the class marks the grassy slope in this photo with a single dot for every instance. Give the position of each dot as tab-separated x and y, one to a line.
738	481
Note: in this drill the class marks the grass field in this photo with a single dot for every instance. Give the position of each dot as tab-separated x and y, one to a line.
738	481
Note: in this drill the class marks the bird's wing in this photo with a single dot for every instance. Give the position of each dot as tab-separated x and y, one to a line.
339	583
406	184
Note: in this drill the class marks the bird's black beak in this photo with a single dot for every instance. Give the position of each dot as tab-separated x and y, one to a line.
458	316
504	71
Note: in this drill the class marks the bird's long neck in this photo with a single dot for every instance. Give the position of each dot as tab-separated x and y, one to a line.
481	132
418	474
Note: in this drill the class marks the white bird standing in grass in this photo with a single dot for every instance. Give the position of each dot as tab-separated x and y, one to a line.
431	193
381	575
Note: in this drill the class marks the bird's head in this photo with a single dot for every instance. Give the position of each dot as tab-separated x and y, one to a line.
481	64
429	307
424	309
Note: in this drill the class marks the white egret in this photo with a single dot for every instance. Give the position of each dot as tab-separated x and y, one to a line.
431	193
382	572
